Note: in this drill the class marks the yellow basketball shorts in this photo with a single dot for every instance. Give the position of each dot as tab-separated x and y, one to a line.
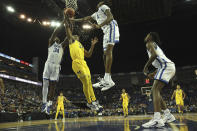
179	102
60	107
125	105
80	68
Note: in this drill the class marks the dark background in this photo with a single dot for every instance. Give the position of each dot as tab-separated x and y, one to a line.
176	26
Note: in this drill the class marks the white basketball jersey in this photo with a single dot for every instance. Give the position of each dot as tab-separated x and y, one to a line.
161	59
55	53
100	15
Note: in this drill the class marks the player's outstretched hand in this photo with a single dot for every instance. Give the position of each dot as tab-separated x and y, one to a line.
94	40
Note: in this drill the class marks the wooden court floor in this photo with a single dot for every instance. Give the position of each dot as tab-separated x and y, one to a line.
186	122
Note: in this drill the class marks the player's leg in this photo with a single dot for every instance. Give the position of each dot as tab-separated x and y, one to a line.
156	121
182	106
127	111
54	78
85	82
123	109
57	112
52	90
46	76
167	76
45	94
108	62
62	109
111	36
91	91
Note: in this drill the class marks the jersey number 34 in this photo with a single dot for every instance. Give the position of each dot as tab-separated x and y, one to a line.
56	50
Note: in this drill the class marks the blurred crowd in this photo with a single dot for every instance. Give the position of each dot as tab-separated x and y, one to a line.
22	98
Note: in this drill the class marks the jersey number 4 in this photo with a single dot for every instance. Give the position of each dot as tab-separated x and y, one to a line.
56	50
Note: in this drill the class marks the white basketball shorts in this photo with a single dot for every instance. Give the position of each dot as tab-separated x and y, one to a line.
51	71
111	34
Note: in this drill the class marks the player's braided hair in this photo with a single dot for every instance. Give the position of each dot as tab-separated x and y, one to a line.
155	37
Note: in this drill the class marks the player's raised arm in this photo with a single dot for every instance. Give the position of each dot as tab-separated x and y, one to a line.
64	43
150	47
54	34
87	18
68	30
89	53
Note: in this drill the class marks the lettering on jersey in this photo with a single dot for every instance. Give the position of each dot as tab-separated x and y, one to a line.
56	49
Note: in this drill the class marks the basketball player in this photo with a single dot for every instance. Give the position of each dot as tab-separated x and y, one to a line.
52	68
2	86
165	71
60	104
106	22
79	65
125	101
179	95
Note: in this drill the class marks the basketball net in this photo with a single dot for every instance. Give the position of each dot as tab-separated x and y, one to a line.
71	4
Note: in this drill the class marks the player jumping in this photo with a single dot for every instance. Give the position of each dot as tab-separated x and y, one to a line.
164	73
106	22
52	69
79	65
179	95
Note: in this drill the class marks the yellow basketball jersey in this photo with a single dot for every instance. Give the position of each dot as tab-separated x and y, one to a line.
76	50
124	97
60	100
179	94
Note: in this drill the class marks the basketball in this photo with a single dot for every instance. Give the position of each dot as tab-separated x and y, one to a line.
70	12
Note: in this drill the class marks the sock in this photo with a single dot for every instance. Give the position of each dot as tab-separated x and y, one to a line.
167	112
45	90
107	77
157	115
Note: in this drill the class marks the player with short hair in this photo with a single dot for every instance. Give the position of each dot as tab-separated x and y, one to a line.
52	68
179	95
165	70
79	65
125	101
106	22
60	104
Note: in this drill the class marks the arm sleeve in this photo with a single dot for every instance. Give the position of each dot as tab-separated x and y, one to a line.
94	16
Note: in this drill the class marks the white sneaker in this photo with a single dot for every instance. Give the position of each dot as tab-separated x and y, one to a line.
63	119
168	118
100	84
98	106
92	107
108	85
55	119
154	123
